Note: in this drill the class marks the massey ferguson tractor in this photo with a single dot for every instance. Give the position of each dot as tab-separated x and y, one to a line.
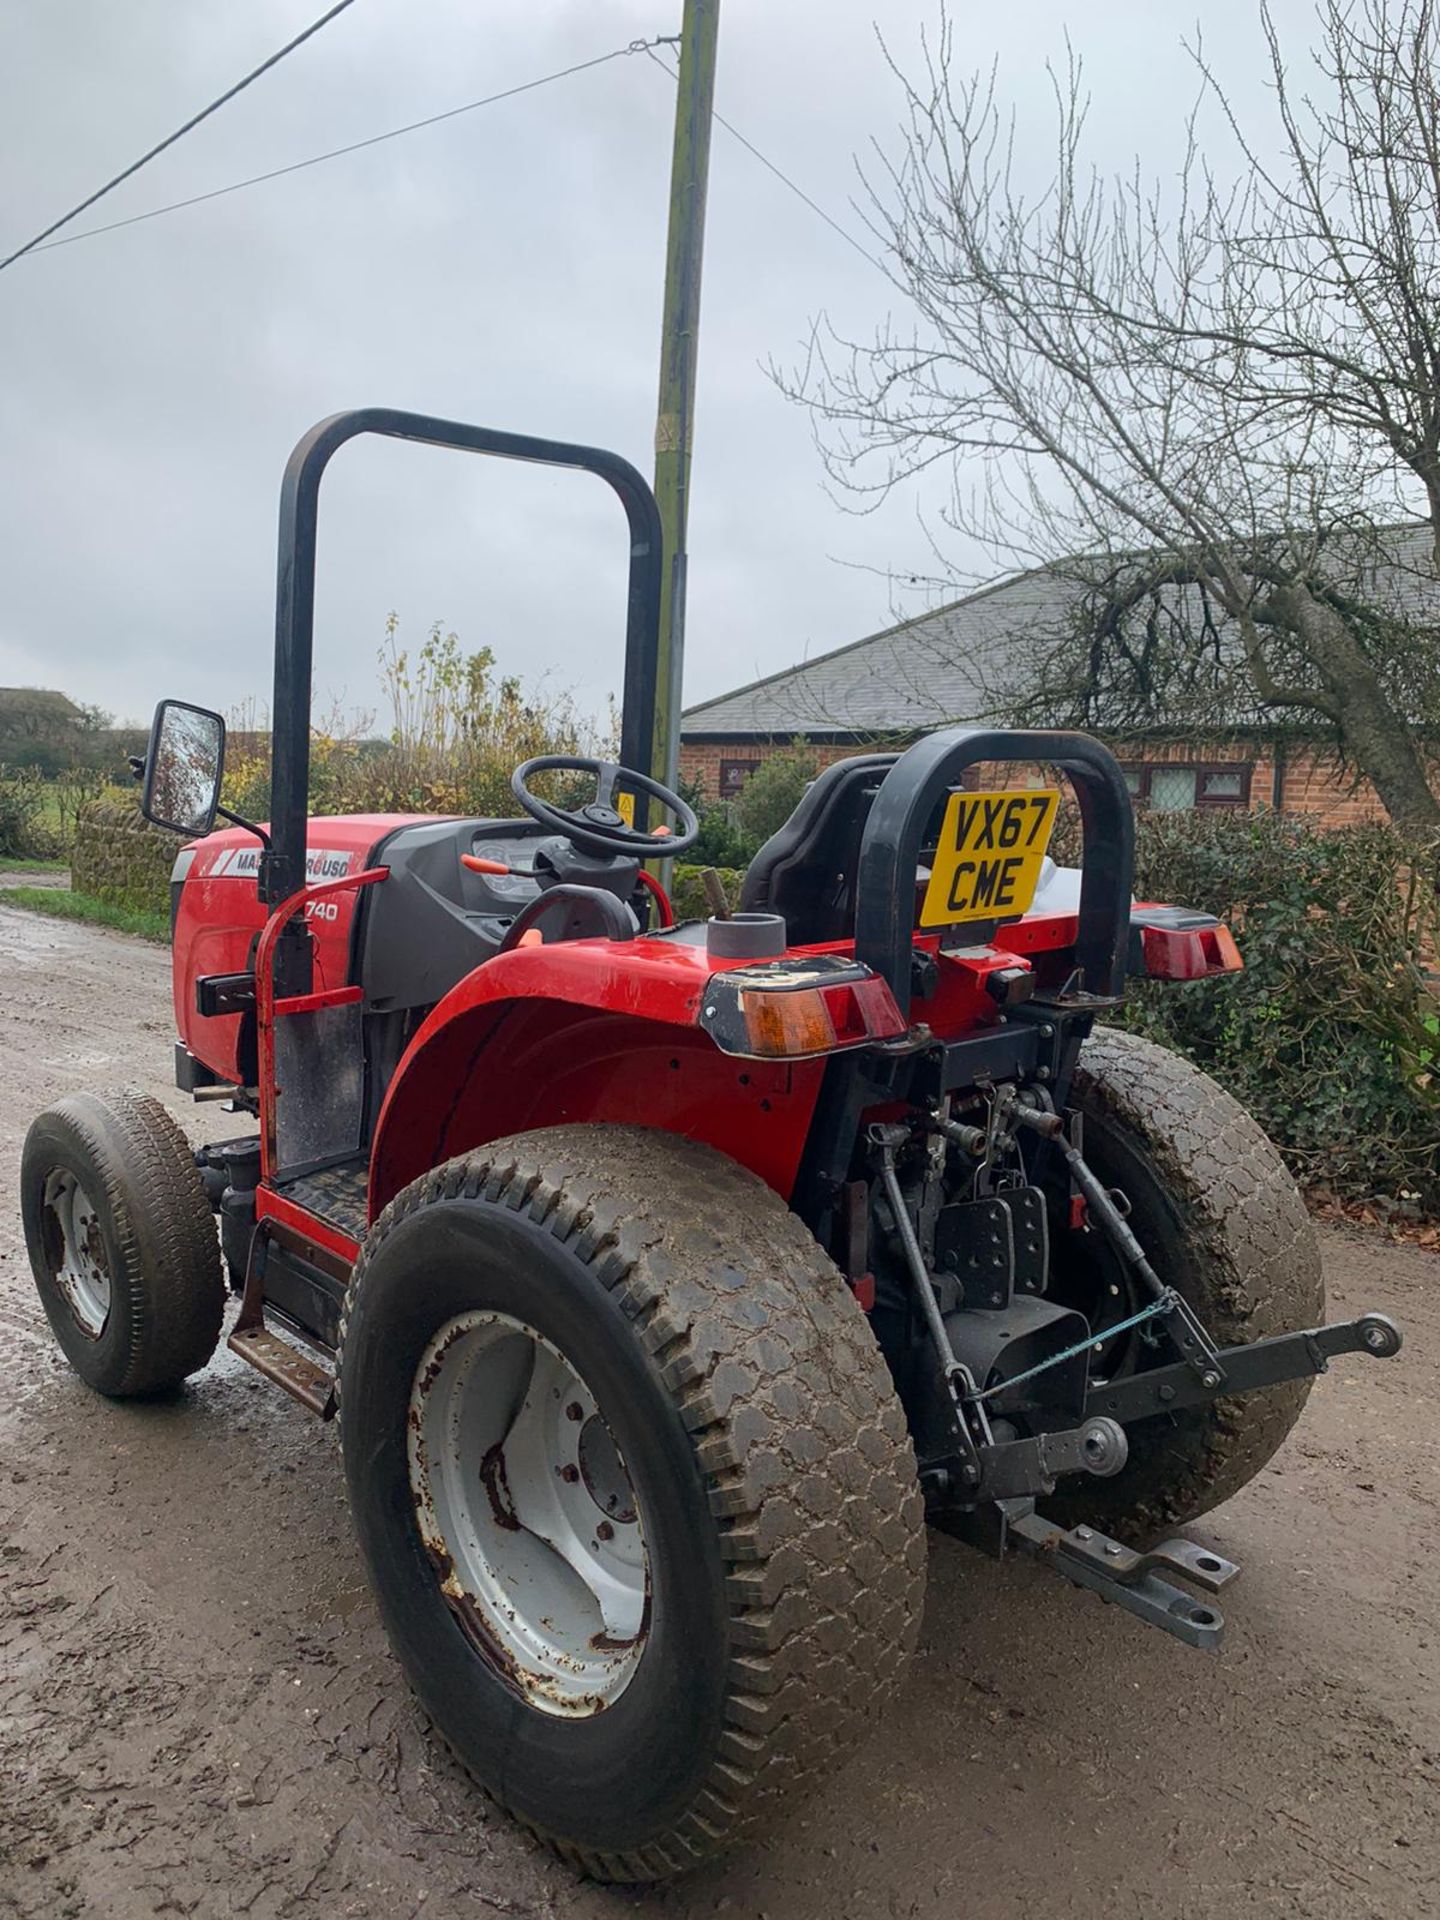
667	1279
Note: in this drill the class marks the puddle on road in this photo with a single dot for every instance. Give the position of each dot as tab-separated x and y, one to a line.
28	941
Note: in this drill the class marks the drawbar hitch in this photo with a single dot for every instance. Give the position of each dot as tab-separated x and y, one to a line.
1001	1477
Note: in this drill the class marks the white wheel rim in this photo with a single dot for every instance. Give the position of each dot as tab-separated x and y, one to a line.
82	1271
526	1508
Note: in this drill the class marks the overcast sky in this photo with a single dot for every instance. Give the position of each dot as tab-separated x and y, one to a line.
504	268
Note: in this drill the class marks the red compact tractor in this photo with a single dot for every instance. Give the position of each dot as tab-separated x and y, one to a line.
668	1279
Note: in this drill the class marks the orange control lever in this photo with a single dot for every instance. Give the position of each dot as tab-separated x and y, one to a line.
477	865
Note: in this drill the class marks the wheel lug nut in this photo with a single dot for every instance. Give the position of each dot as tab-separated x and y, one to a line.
605	1531
574	1411
570	1474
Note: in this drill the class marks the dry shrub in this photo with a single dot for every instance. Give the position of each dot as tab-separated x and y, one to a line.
457	732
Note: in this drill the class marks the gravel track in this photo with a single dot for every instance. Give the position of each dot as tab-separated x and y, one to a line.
199	1714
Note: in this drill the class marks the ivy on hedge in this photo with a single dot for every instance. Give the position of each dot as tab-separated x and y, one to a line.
1331	1035
119	858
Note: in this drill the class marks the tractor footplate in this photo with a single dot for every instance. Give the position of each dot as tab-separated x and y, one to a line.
1133	1580
301	1377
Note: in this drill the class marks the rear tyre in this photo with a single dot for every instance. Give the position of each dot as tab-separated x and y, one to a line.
1218	1215
122	1242
633	1488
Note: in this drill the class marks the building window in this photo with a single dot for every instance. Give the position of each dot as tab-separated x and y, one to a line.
1167	788
1171	789
1223	787
733	775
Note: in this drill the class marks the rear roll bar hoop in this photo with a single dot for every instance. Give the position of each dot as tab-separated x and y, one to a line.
282	865
908	797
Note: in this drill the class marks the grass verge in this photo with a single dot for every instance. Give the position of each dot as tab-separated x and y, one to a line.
34	866
61	905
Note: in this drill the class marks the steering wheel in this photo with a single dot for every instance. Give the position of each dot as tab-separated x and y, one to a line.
600	826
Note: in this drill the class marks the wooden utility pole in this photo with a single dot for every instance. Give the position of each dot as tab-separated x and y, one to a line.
679	347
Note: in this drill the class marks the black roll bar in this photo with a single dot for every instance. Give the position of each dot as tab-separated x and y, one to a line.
282	865
906	802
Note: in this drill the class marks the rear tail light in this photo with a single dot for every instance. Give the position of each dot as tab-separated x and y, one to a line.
1172	943
788	1012
787	1025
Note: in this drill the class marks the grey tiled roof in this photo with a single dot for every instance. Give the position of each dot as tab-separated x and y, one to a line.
950	665
984	657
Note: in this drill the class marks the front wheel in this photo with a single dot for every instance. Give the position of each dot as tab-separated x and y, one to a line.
122	1241
632	1486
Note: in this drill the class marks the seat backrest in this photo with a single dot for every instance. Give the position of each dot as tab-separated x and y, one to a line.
806	871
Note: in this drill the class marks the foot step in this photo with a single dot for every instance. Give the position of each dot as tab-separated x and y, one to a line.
305	1379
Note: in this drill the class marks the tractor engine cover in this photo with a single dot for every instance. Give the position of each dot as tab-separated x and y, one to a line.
217	916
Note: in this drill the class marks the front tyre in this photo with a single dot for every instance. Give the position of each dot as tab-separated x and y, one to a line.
122	1241
632	1486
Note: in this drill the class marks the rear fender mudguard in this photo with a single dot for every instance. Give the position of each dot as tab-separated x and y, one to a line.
585	1030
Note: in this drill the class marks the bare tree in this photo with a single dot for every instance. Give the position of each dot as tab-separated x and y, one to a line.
1221	398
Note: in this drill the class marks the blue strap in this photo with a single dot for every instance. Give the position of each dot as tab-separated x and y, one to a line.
1165	1304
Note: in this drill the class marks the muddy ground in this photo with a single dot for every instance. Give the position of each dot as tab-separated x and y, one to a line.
198	1713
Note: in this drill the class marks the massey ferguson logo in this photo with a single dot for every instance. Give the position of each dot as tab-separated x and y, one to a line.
243	863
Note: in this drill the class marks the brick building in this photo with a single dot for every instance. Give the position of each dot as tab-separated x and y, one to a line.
979	661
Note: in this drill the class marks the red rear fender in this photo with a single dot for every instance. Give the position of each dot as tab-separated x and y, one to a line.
512	1066
586	1030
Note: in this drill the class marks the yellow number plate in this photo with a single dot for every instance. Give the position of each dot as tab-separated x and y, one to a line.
987	865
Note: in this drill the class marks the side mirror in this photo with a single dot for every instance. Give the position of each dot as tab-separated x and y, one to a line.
184	765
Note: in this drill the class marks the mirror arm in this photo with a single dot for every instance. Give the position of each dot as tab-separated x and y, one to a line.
239	820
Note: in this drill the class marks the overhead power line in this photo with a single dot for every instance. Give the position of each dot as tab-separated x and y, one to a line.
179	133
786	181
42	243
355	146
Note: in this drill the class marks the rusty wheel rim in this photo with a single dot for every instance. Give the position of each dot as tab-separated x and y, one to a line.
527	1512
78	1257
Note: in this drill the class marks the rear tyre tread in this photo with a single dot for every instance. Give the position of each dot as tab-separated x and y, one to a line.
763	1348
1245	1226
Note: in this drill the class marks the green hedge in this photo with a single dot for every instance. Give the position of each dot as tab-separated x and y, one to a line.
1331	1035
118	857
687	894
24	831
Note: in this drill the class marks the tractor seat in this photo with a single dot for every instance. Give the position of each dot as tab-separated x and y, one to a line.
806	871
